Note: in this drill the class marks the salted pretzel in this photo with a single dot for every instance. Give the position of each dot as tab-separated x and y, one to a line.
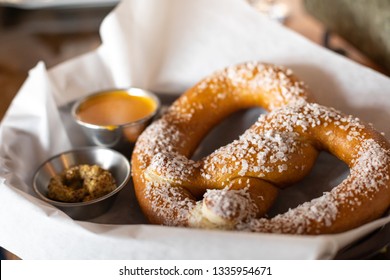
234	187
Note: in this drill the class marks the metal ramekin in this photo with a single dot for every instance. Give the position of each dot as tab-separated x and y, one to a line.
118	137
108	159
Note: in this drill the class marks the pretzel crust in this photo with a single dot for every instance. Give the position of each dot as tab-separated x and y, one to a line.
234	187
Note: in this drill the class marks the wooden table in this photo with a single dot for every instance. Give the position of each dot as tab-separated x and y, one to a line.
54	36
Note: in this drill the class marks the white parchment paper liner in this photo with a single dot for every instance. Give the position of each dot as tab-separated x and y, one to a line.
165	46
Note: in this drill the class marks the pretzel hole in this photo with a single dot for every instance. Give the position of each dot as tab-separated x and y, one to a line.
227	131
327	173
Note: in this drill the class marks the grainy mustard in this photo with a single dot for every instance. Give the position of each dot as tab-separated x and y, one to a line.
81	183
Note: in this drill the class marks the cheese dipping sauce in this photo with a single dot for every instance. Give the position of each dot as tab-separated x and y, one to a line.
114	108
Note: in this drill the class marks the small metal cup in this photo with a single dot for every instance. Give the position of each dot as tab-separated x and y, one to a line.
119	137
108	159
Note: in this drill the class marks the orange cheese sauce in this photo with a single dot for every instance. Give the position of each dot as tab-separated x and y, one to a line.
115	108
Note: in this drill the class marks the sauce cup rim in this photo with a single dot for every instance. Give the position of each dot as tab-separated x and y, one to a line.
129	91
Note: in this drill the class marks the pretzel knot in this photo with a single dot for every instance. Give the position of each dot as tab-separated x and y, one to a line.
234	187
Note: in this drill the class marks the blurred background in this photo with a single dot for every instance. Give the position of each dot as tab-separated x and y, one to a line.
56	30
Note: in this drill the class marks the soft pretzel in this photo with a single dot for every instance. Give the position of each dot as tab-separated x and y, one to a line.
234	187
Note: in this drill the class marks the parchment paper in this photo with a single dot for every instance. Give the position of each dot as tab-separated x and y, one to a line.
167	46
